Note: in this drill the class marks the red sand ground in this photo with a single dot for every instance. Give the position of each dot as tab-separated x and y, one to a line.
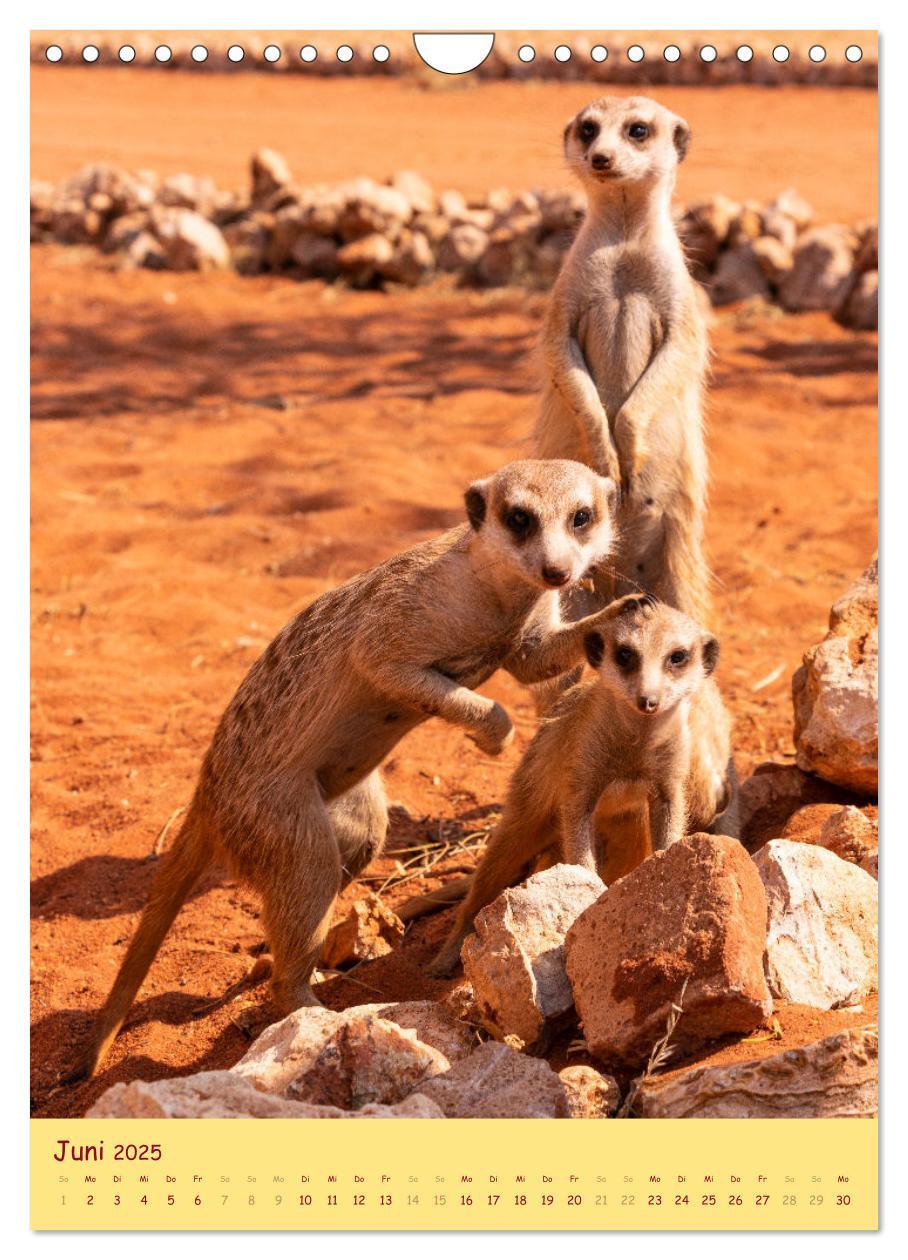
211	452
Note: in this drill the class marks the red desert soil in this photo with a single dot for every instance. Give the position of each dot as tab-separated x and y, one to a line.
748	142
209	454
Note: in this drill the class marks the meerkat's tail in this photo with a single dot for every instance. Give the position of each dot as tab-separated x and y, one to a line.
184	863
687	579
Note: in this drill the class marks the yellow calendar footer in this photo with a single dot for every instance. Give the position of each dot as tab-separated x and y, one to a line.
453	1174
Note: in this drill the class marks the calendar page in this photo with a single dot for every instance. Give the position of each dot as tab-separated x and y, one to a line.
454	630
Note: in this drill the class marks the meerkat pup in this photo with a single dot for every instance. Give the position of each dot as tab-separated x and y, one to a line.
625	350
646	740
290	796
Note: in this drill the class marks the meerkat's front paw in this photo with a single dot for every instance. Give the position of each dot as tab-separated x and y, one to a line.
495	733
642	603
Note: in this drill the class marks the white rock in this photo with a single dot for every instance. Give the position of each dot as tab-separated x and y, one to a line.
835	1077
820	276
189	242
515	957
821	944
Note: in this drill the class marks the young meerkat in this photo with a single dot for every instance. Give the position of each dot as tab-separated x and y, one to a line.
645	742
625	350
290	796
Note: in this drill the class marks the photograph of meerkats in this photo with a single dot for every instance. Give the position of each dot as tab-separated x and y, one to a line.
509	487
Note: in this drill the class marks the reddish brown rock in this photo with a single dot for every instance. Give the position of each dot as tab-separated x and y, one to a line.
774	794
367	1060
499	1083
835	1077
515	957
369	930
694	914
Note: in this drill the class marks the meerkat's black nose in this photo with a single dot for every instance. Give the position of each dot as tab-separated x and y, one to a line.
647	704
554	576
601	162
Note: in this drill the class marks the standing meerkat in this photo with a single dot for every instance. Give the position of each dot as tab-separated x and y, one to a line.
290	796
646	742
625	350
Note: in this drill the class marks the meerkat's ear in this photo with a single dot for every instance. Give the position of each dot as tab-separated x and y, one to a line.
475	503
594	646
566	133
710	654
681	136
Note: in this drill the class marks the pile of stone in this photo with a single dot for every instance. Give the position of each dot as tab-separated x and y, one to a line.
404	233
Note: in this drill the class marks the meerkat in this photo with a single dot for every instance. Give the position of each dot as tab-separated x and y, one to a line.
290	795
624	348
646	741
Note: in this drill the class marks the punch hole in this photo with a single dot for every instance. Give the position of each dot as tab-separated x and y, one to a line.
344	53
163	54
672	53
817	53
54	53
780	53
854	52
199	53
745	53
272	53
599	52
235	53
526	52
635	53
90	53
308	53
708	53
453	52
127	53
562	53
381	52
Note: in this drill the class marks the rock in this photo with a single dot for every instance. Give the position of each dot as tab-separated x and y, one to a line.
820	275
867	255
835	1077
417	190
226	1096
781	227
412	260
372	209
188	242
269	173
773	258
694	914
367	1060
514	958
316	255
361	260
289	1048
124	230
145	250
821	945
126	193
860	308
591	1096
746	226
835	693
369	930
561	211
462	248
792	206
849	835
773	794
249	242
190	192
704	230
871	864
499	1083
738	275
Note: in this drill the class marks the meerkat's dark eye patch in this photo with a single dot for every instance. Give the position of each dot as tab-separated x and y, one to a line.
588	130
594	646
520	522
582	518
678	658
638	131
626	658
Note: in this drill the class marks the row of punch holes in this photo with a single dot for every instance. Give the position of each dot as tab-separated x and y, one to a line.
381	53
